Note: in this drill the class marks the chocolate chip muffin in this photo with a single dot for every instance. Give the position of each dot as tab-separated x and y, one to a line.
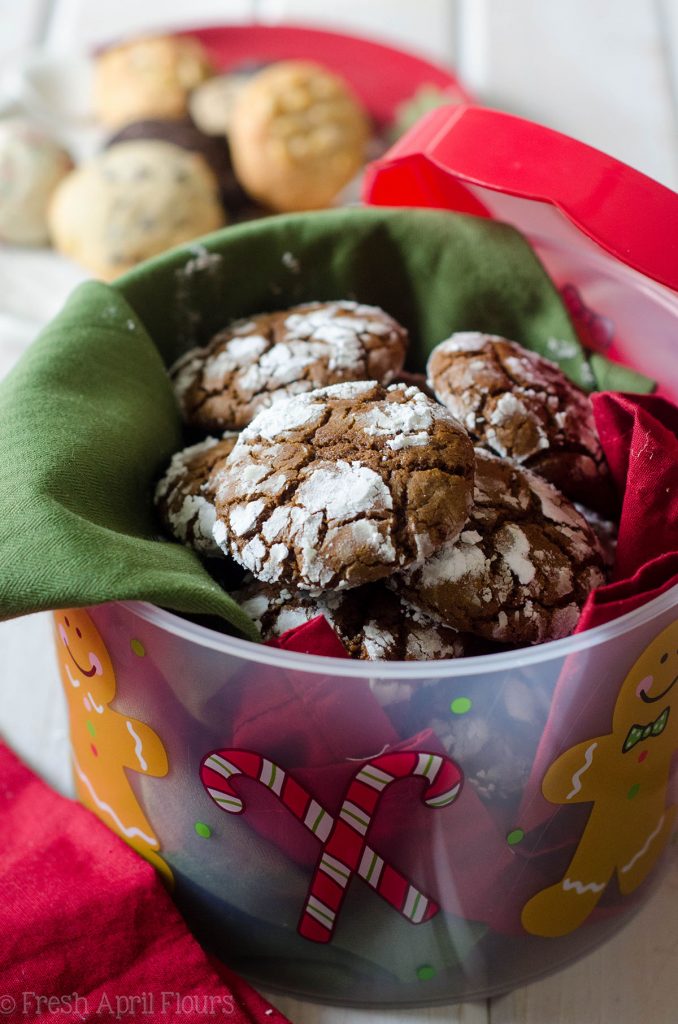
148	77
298	135
344	485
521	406
133	201
183	133
256	362
522	566
185	495
372	622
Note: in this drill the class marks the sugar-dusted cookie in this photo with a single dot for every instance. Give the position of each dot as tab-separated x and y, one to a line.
148	77
522	567
372	622
31	166
185	495
521	406
344	485
132	201
254	363
298	135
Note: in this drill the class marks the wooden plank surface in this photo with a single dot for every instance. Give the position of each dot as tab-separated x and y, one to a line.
307	1013
630	980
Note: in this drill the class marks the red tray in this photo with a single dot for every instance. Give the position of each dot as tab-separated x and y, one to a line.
381	76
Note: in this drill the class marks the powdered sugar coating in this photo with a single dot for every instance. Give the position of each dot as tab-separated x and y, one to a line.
184	496
254	363
521	570
317	494
405	425
371	621
521	406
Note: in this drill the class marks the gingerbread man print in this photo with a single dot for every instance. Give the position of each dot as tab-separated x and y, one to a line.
624	774
104	743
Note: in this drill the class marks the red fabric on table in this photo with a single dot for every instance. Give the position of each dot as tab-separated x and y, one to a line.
639	435
82	914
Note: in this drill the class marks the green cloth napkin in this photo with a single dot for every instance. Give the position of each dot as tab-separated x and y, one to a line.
88	420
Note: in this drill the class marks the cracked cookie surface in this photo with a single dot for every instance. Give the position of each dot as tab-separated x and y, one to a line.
521	568
344	485
521	406
372	622
185	495
256	362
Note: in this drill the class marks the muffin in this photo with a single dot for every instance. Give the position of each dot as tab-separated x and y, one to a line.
148	77
298	135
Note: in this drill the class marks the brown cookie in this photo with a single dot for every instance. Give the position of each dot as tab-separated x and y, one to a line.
185	495
298	135
372	622
416	380
344	485
522	567
254	363
521	406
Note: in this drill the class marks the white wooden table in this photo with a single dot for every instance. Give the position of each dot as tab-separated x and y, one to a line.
605	73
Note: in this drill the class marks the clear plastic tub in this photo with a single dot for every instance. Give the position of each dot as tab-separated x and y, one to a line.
394	834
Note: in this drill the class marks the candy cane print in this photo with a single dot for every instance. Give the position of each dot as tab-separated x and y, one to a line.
219	766
346	850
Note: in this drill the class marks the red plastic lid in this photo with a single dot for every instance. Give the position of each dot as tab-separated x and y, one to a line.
471	159
382	76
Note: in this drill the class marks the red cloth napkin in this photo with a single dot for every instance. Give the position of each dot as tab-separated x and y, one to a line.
639	435
347	724
314	637
88	923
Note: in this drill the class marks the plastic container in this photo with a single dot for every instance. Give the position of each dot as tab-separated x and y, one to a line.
320	837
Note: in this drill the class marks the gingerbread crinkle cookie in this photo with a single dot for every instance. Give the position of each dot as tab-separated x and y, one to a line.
256	362
521	406
522	567
372	622
344	485
185	495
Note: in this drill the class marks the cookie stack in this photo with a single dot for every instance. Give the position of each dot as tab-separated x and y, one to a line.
295	130
193	150
421	527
